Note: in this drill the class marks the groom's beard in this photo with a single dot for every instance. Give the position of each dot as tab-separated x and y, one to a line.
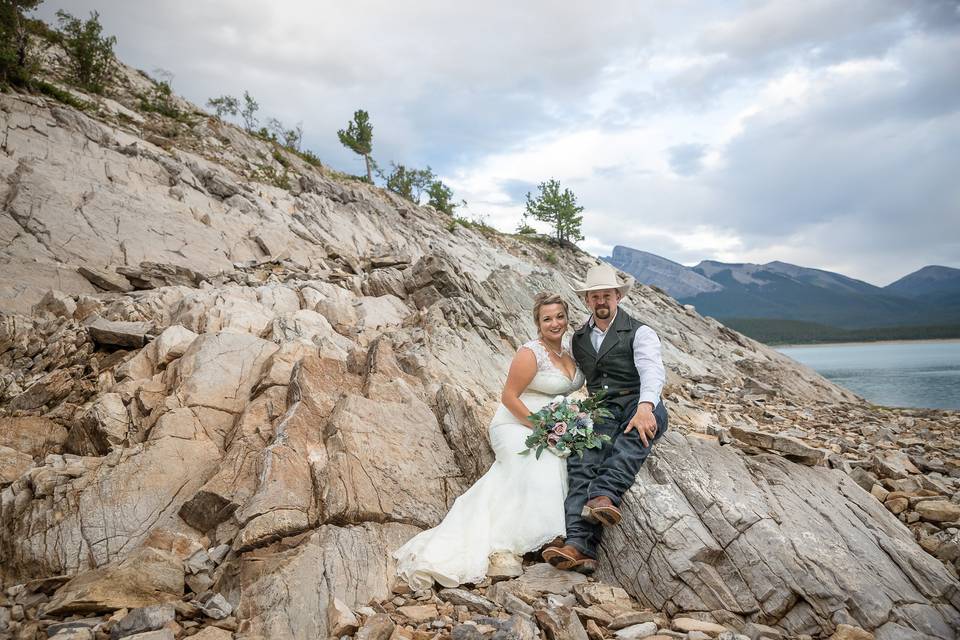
602	313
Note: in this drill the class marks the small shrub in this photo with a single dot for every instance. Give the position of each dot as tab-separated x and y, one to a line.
525	229
283	162
309	157
160	101
478	223
91	54
280	179
224	105
60	95
551	257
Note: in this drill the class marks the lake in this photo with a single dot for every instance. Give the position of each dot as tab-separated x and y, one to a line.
896	374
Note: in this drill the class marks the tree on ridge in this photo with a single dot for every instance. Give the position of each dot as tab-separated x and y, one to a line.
557	208
358	137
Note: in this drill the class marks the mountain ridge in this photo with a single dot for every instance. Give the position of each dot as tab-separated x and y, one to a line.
783	291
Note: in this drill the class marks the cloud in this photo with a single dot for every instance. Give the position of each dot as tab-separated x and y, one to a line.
821	133
687	159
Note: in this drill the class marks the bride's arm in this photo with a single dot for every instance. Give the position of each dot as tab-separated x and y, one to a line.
522	370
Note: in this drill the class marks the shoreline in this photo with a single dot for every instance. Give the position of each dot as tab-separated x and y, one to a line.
862	342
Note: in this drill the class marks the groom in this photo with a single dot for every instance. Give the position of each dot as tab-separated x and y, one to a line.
619	356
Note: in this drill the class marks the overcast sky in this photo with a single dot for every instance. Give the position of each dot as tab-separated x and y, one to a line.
826	134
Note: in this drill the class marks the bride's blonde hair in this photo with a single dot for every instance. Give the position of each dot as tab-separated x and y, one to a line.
544	298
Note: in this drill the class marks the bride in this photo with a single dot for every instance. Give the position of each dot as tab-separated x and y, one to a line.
517	506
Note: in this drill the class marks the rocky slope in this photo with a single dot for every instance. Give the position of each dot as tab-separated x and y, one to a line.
231	383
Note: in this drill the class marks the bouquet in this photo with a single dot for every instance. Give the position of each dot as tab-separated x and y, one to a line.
565	426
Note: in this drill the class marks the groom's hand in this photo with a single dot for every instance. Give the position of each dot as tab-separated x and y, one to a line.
644	422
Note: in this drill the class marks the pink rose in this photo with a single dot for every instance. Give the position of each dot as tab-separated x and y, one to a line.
553	439
560	428
575	408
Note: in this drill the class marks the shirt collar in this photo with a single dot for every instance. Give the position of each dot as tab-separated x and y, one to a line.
593	325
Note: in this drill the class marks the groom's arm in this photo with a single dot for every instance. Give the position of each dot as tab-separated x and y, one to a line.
649	363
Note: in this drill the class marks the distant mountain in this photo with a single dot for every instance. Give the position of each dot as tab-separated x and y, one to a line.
931	280
674	278
783	291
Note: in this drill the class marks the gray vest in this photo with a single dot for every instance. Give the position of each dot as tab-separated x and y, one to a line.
612	369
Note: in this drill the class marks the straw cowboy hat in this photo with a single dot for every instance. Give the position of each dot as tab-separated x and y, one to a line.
603	276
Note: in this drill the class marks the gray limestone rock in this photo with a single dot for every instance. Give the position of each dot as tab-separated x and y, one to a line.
143	619
706	527
118	333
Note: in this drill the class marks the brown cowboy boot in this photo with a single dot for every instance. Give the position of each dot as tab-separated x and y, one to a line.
569	558
601	509
556	542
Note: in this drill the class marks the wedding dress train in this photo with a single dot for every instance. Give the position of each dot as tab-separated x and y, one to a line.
517	505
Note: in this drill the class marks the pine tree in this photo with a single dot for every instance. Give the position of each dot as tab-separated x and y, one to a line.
557	208
358	137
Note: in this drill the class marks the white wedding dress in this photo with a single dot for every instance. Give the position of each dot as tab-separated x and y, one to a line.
517	506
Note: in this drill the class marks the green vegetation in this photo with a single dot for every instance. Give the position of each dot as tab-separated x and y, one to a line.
160	99
280	179
557	208
441	198
478	223
224	106
60	95
289	138
91	54
409	183
309	157
358	137
776	331
525	229
248	112
17	66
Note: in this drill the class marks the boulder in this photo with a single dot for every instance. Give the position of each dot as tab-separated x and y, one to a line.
48	391
311	327
939	511
288	589
104	425
145	577
106	506
143	619
13	464
790	447
560	623
118	333
57	303
707	528
387	460
33	436
212	633
172	343
105	280
219	370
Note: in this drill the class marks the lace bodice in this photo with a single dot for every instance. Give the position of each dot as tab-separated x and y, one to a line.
550	379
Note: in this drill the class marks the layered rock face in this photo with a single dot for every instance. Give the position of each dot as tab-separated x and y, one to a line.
237	398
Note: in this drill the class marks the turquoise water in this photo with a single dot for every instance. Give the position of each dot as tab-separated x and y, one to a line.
896	374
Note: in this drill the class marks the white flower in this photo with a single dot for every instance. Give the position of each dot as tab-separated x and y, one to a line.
559	399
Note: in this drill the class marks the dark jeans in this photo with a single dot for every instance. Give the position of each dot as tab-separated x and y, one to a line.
608	471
